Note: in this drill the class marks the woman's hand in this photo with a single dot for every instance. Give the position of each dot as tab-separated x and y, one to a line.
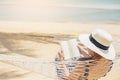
61	55
85	53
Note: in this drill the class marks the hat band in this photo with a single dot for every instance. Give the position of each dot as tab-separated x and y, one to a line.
97	44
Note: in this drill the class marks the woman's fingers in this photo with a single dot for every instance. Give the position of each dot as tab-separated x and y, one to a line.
61	55
83	51
80	49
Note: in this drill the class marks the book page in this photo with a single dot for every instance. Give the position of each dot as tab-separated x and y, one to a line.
70	49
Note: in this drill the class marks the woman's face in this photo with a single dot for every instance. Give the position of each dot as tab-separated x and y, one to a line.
92	53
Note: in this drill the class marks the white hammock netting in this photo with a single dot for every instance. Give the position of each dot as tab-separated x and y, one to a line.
46	67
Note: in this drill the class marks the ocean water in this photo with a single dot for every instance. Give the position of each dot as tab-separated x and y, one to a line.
100	11
107	2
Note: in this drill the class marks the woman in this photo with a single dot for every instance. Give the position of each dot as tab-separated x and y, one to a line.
99	50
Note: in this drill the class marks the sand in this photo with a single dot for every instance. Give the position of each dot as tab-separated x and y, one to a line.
41	40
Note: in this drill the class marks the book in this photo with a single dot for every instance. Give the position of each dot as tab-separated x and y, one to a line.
70	49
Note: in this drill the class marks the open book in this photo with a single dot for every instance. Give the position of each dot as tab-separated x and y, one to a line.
70	49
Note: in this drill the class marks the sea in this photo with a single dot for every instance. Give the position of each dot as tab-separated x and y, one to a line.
87	11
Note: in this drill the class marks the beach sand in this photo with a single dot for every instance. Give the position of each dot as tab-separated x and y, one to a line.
41	40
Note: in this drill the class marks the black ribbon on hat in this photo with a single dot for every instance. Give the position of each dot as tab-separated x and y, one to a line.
97	44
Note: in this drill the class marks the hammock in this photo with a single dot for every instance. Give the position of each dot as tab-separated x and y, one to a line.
46	67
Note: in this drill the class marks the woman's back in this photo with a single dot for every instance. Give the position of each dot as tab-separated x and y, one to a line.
91	70
99	68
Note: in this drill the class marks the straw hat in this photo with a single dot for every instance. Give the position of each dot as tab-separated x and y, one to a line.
100	42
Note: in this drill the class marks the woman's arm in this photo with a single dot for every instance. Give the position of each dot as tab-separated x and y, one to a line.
76	73
79	71
62	63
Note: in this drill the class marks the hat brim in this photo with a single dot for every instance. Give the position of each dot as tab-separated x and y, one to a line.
108	54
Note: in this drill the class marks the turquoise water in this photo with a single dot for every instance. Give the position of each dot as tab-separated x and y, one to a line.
107	2
90	15
103	11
